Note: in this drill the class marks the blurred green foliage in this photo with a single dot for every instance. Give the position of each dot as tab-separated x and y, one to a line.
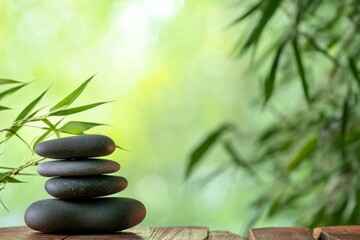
308	155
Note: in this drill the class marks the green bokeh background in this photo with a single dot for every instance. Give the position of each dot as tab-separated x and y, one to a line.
168	66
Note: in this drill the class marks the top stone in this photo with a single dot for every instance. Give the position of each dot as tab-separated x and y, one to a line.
76	147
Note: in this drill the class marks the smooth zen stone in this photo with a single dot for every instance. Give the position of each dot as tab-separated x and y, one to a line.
84	187
76	147
95	215
83	167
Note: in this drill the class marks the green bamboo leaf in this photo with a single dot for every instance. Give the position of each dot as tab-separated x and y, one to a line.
344	117
197	155
26	113
41	138
7	168
354	70
12	90
3	204
52	127
75	109
5	178
305	151
24	174
235	157
21	139
78	128
269	10
268	134
250	11
121	148
2	108
4	81
46	133
300	68
275	206
276	149
15	129
72	96
284	200
270	80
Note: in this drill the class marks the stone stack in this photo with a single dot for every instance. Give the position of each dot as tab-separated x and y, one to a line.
78	183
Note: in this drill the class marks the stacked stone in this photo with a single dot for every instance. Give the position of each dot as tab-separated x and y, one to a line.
78	183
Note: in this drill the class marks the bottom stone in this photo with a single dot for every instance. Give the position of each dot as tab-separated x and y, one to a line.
95	215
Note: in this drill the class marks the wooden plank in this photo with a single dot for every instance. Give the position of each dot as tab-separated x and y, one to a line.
224	235
183	233
338	233
136	233
161	233
280	234
25	233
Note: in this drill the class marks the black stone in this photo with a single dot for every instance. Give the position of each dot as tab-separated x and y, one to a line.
96	215
76	147
83	167
84	187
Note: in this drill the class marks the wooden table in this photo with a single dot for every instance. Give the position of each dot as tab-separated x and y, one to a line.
194	233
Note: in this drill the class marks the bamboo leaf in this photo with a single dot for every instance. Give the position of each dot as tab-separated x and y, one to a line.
52	127
72	96
15	129
278	148
75	109
45	134
5	178
284	200
305	151
247	13
4	206
121	148
23	174
300	68
344	117
41	138
197	155
354	71
78	128
275	206
7	168
2	108
21	139
4	81
269	10
11	90
268	134
25	113
270	80
235	157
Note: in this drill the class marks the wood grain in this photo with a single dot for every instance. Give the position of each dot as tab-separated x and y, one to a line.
338	233
224	235
183	233
161	233
280	234
25	233
136	233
